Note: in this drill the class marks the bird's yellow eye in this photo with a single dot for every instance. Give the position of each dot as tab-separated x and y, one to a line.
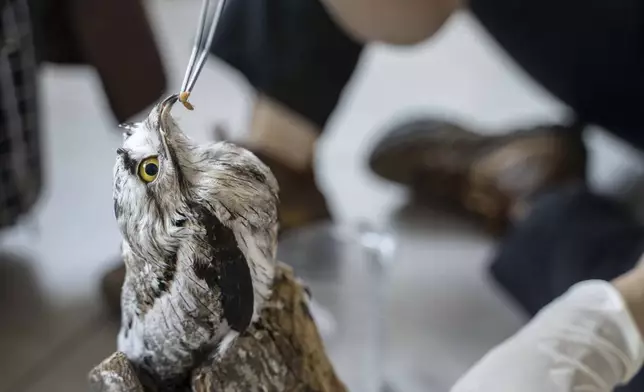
149	169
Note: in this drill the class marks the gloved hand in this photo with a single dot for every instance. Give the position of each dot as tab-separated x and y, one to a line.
587	340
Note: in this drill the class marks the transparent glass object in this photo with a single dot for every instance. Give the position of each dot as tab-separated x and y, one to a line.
346	270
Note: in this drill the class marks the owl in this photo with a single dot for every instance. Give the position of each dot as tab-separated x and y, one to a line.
199	227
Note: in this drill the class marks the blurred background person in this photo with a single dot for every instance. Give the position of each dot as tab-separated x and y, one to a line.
299	55
553	213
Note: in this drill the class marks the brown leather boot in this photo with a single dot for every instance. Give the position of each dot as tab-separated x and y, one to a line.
487	177
301	203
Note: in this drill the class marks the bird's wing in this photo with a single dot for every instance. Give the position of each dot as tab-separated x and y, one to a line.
228	271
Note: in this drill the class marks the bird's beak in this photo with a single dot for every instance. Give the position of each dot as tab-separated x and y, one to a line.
164	121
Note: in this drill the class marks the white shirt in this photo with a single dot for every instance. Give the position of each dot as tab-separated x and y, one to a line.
585	341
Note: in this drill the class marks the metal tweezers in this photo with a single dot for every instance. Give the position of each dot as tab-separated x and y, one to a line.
208	21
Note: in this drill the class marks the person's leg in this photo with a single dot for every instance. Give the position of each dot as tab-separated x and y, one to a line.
571	235
289	50
303	52
299	59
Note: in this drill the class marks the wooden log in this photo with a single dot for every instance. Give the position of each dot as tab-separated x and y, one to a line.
115	374
282	351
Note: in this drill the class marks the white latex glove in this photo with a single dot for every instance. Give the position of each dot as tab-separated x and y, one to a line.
585	341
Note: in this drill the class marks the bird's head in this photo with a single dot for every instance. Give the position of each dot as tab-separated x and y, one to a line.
163	182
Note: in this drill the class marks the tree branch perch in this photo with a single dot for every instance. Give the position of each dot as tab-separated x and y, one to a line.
283	351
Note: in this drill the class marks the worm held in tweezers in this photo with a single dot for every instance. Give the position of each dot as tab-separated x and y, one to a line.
183	98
